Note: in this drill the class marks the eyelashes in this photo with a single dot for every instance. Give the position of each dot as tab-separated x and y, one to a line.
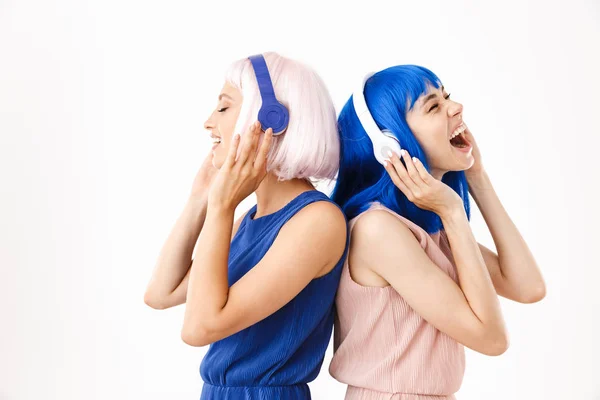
222	109
433	107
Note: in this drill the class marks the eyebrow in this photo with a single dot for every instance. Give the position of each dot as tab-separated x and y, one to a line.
431	96
225	95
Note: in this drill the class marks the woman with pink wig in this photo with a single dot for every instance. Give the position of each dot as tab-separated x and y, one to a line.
259	290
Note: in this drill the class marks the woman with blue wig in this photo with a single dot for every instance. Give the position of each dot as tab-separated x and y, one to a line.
417	286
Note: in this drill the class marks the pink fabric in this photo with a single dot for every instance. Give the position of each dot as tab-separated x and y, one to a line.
383	348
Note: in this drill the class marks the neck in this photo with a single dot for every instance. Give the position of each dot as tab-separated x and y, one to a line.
437	173
272	195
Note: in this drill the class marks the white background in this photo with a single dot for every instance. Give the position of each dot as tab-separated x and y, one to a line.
101	112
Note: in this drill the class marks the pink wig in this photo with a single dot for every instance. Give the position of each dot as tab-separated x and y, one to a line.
310	147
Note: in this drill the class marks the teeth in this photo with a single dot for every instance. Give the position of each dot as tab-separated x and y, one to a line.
458	131
216	140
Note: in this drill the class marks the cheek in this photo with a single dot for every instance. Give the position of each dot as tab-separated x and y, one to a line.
226	127
435	145
431	139
437	138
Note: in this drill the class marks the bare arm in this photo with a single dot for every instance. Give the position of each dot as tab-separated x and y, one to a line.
214	310
169	283
469	312
514	271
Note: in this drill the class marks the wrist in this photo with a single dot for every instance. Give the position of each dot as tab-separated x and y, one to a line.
478	180
197	202
220	207
452	212
195	208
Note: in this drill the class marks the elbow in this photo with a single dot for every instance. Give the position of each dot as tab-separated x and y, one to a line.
199	332
535	295
496	344
155	302
198	337
498	347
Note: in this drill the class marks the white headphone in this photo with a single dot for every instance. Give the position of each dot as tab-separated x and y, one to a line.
383	141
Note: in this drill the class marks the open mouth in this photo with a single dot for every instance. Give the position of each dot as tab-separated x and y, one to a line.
458	140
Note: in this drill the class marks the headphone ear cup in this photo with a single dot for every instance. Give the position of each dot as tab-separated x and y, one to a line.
383	147
387	143
274	115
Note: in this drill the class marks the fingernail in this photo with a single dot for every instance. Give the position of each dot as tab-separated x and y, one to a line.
414	159
402	152
390	154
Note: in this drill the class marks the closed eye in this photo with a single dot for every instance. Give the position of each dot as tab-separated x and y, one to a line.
222	109
433	107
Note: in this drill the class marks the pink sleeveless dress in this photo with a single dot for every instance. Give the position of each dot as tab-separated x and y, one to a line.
383	348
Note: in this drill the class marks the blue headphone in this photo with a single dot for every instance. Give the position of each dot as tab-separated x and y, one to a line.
272	113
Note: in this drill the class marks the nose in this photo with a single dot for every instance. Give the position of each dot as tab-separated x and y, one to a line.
454	109
209	124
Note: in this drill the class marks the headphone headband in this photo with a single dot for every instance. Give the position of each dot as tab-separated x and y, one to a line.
362	110
272	113
382	142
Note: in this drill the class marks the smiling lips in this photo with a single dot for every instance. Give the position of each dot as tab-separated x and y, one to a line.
216	141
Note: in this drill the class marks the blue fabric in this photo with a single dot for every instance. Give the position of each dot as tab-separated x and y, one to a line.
276	357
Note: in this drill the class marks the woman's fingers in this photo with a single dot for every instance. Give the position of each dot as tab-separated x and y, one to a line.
402	171
425	176
391	170
250	144
230	161
413	179
410	168
263	151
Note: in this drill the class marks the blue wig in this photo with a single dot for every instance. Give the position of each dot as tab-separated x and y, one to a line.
390	94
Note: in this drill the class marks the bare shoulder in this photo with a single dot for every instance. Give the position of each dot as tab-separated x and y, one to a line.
323	225
325	211
380	226
379	229
321	218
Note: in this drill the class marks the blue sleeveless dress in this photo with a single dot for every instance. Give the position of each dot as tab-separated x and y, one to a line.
276	357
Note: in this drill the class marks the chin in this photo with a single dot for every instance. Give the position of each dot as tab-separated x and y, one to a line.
217	162
463	165
462	161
